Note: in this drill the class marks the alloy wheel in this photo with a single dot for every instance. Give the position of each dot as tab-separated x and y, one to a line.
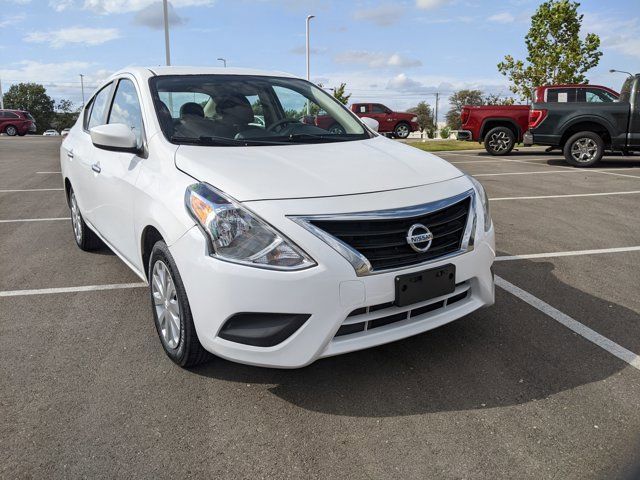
402	131
584	150
165	301
499	141
76	219
11	130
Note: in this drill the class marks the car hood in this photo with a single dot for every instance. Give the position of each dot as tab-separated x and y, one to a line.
313	170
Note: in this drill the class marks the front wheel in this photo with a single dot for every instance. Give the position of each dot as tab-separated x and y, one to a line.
584	149
402	130
337	129
499	141
171	311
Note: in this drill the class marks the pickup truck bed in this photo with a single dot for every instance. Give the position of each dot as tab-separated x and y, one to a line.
500	127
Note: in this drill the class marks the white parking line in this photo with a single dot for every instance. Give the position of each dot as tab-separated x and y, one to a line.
519	173
570	253
48	172
572	195
84	288
34	219
572	324
33	190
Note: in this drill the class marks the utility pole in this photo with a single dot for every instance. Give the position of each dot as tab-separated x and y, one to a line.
435	117
224	61
309	17
1	97
165	9
82	87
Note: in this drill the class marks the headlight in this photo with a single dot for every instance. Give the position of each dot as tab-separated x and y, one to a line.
414	119
239	236
484	200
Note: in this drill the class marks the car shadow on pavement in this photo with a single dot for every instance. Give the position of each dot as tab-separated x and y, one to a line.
608	162
507	354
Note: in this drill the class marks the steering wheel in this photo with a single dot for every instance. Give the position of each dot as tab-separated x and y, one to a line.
281	124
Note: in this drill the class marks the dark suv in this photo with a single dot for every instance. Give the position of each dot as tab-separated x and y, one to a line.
16	122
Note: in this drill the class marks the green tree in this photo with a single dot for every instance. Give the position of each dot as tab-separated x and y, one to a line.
445	132
340	94
65	115
497	99
557	51
424	113
33	98
456	101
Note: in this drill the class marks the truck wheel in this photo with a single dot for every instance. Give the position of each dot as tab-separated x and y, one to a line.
402	130
336	129
584	149
11	130
499	141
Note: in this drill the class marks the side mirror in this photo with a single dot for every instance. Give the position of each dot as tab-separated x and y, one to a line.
116	137
372	123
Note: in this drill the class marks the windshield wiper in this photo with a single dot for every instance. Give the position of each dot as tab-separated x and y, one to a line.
224	141
297	137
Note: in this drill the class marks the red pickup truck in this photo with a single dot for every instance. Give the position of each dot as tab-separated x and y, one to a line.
400	124
500	127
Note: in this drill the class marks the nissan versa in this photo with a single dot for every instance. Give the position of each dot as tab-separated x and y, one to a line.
264	238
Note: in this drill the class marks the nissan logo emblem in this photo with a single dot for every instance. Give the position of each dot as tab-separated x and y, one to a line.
419	237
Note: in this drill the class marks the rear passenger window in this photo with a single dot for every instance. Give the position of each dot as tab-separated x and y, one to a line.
362	109
561	95
126	108
99	107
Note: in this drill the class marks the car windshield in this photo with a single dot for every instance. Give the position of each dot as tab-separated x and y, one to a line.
247	110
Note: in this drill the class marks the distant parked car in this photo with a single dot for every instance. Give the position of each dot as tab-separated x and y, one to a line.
51	133
16	122
65	132
397	123
500	127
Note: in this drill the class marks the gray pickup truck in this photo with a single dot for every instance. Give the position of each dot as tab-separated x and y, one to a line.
585	130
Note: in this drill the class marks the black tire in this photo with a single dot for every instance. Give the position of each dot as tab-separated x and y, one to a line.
402	130
584	149
85	238
337	129
11	130
499	141
187	350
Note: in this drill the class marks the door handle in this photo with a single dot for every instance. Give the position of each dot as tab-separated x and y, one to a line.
96	167
70	153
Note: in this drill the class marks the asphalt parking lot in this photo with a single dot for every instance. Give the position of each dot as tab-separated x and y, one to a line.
545	384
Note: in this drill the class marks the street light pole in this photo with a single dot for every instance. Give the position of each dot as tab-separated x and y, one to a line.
165	9
309	17
82	87
224	61
1	97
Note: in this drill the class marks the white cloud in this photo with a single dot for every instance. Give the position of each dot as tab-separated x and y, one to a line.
152	16
78	35
124	6
61	5
620	35
376	59
8	20
302	50
429	4
383	15
503	17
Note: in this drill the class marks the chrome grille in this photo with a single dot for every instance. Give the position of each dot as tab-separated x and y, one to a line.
383	241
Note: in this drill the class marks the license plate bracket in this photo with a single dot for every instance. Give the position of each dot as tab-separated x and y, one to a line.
420	286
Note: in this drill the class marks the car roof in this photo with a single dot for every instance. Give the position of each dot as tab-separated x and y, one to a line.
147	72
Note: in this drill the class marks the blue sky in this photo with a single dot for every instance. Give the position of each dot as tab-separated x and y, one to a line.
393	52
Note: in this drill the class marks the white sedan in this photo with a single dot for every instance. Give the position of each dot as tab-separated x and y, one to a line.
51	133
274	244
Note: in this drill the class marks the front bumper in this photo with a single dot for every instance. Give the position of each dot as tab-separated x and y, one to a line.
328	292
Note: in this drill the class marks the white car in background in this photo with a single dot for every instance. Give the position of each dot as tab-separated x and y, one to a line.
65	132
51	133
272	244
